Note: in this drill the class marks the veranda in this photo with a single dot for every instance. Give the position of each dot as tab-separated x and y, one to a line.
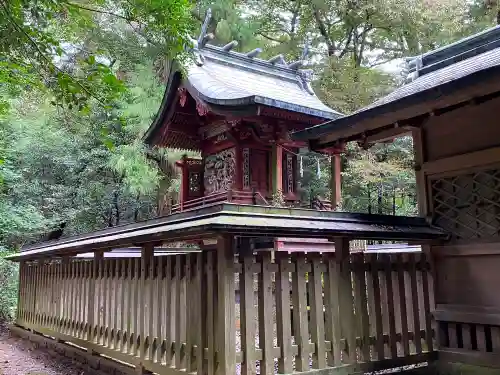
223	307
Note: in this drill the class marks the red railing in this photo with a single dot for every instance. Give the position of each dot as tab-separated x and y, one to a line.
234	196
242	197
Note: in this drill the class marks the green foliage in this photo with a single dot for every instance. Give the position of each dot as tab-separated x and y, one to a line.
38	39
8	287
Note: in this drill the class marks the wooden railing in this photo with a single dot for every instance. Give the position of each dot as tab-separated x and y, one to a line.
177	314
232	196
476	336
244	197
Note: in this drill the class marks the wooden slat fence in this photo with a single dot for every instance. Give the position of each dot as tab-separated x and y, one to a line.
470	332
178	313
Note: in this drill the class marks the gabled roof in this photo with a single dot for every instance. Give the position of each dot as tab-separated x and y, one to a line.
233	83
230	78
432	75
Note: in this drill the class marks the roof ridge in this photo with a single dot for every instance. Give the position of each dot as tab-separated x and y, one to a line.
462	49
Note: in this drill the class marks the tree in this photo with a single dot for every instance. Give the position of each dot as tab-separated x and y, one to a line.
37	37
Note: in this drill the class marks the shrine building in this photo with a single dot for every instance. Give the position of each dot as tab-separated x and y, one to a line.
238	111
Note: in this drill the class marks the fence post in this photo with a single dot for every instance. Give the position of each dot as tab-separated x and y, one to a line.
226	335
346	298
98	257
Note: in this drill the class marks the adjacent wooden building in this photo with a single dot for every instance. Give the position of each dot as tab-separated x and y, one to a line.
450	107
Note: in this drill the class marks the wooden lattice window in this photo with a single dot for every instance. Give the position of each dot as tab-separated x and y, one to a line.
468	205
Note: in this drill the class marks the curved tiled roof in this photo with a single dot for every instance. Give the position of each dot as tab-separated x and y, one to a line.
233	79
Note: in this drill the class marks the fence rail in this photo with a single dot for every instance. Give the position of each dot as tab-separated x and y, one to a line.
178	313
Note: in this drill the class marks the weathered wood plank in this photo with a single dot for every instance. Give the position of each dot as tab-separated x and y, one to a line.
146	260
226	323
189	313
169	310
379	346
210	313
265	315
317	314
333	332
283	316
115	310
402	306
361	301
105	302
466	336
495	339
135	314
180	306
123	296
130	303
390	307
453	335
247	310
346	297
427	305
480	338
300	324
150	317
415	305
160	311
199	332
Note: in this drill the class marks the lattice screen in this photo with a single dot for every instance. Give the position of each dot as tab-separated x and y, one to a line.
468	205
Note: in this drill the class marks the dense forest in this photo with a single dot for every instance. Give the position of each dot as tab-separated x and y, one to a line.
81	80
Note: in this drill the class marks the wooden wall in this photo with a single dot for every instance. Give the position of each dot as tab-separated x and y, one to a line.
458	170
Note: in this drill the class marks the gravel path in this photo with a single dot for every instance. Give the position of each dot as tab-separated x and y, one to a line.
20	357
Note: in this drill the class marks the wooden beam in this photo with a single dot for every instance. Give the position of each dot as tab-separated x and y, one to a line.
335	181
463	161
388	134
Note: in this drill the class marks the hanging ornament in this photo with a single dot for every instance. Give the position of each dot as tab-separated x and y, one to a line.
318	168
301	167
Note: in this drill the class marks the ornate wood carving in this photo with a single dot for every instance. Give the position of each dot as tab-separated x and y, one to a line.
213	129
182	96
219	171
290	180
246	168
201	108
194	183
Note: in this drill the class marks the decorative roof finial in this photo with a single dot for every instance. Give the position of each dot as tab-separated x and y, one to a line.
203	38
279	59
296	64
253	53
228	47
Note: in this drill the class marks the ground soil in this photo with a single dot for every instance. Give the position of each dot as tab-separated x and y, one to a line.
21	357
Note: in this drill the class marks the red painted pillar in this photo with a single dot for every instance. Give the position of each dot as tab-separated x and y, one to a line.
277	168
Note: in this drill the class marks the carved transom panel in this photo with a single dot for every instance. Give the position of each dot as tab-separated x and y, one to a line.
246	168
289	173
468	205
219	171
